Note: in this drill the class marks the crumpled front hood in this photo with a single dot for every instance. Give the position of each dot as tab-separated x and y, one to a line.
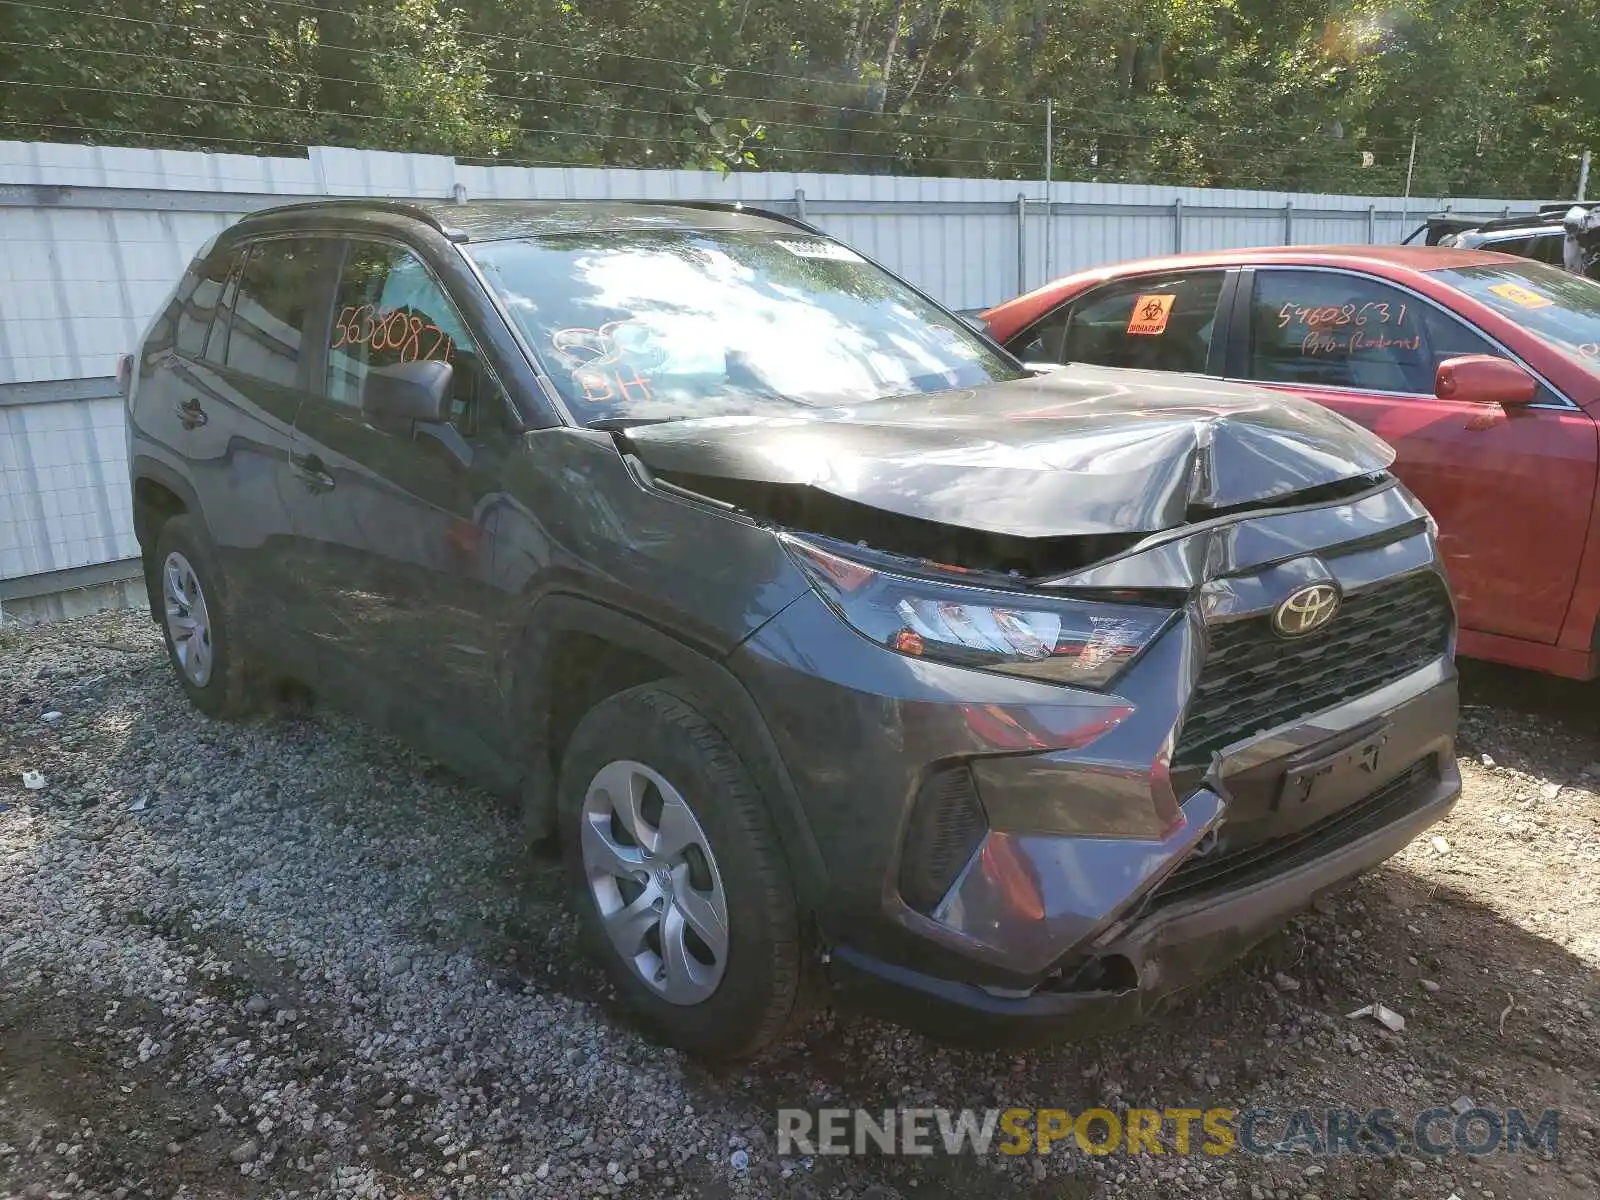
1084	450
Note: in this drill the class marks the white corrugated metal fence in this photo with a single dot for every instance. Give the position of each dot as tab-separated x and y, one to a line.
92	240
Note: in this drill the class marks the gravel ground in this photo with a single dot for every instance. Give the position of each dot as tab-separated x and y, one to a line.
291	958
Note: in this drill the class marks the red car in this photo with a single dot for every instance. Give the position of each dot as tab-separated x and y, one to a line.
1482	370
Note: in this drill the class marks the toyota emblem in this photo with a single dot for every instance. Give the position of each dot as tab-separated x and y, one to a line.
1306	610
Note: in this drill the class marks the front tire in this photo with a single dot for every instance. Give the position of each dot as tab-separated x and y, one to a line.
676	873
209	662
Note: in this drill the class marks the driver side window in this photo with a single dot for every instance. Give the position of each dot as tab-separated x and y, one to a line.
388	310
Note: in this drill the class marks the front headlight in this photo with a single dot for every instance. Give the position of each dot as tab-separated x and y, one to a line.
1086	643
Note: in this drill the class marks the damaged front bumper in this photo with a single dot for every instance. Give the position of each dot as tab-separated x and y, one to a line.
1169	948
1054	857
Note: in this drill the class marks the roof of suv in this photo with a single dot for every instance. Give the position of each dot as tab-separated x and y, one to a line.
495	220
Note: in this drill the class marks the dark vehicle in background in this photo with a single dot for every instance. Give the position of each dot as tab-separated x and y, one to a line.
835	647
1538	236
1482	370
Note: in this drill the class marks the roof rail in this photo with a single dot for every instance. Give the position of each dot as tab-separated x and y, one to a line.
1438	225
734	206
1520	221
1560	207
427	211
415	209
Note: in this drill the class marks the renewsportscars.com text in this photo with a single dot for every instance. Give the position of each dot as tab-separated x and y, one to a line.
1210	1131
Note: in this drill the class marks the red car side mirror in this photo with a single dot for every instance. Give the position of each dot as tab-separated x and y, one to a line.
1484	379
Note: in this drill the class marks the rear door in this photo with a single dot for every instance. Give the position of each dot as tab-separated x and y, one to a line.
178	383
1510	487
1153	322
393	544
256	370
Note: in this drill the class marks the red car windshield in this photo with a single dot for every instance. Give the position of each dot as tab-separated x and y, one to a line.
1554	305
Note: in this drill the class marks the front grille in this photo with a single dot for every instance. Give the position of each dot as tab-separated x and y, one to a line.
1254	680
947	823
1211	873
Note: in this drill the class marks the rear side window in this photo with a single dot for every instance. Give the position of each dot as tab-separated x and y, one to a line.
278	291
389	309
1549	248
1522	247
200	305
1154	323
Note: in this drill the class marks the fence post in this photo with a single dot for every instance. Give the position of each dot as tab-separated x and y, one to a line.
800	203
1372	224
1049	199
1022	242
1288	222
1177	224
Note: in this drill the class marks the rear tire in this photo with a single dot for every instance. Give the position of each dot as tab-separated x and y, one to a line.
209	661
677	875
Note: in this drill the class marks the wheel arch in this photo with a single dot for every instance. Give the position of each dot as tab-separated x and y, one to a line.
159	494
613	650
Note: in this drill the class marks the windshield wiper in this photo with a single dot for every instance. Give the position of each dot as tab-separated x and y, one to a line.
619	424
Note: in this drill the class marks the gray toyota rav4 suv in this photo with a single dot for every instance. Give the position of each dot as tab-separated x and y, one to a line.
843	655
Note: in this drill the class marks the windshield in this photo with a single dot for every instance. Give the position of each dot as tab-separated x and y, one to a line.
1554	305
668	324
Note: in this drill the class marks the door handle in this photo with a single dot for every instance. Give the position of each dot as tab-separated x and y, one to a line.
190	414
313	473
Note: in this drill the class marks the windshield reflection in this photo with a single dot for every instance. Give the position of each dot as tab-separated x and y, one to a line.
673	324
1556	306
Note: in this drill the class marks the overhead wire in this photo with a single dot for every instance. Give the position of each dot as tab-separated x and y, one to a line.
1249	128
529	100
1264	166
534	132
544	72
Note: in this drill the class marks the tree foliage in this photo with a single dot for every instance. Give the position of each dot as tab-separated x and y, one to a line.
1303	94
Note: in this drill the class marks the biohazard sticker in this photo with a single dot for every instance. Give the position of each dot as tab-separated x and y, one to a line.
1150	313
1518	294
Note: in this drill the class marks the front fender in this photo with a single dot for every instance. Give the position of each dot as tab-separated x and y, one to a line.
725	701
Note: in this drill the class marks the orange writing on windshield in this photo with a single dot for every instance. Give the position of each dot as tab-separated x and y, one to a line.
604	387
1150	313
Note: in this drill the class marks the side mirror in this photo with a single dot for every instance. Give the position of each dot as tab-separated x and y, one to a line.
1484	379
413	391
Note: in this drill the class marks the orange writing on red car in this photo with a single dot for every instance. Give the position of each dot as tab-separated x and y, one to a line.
1323	341
414	338
1320	316
1150	314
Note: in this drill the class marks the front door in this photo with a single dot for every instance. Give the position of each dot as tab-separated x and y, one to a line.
1509	487
393	537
